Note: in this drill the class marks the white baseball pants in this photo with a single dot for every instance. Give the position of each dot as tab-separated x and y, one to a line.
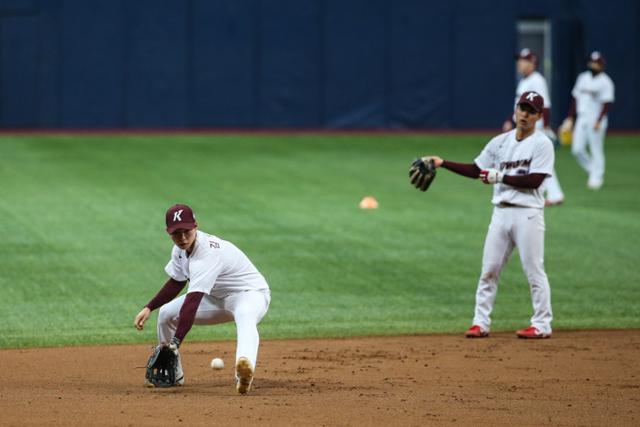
584	136
246	308
522	228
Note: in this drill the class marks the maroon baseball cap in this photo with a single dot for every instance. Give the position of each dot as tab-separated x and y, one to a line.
534	99
180	217
597	58
528	55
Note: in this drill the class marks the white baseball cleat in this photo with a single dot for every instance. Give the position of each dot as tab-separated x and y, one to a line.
594	184
244	375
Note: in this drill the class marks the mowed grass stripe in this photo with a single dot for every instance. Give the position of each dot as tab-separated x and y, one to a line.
84	244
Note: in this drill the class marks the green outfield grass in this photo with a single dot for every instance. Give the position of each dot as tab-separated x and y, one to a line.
84	246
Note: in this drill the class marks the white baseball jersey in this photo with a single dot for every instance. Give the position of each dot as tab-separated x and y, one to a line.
591	92
216	267
534	82
534	154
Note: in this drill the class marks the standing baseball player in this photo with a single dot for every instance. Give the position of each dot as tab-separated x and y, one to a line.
516	163
592	95
532	81
223	286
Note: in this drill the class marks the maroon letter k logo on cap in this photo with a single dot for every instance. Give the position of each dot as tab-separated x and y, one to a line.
176	215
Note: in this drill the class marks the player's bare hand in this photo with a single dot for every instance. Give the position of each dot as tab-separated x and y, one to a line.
141	318
437	161
491	176
596	126
507	126
566	126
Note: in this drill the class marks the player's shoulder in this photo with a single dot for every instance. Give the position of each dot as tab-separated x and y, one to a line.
209	243
537	76
176	252
584	76
606	78
504	136
204	236
501	139
542	139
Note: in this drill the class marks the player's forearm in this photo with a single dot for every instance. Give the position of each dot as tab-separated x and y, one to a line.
533	180
572	109
604	111
188	314
470	170
168	292
546	117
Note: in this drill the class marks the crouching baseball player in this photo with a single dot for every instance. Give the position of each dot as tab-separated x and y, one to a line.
223	286
516	163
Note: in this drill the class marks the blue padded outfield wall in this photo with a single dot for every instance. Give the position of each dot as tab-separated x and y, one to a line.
396	64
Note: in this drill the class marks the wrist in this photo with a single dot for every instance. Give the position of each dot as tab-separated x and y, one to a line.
491	176
174	344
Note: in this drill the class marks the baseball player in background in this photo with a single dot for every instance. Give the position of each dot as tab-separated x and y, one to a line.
223	286
516	163
592	95
532	81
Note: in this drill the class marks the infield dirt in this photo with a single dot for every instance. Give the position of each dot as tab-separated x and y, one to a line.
574	378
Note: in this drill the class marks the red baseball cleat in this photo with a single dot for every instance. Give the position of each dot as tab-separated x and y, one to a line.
476	332
532	333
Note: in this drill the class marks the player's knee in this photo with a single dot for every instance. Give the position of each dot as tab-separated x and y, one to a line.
490	273
166	316
245	317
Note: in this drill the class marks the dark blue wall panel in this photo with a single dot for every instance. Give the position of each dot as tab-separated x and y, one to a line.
18	7
296	63
484	43
420	64
355	50
50	72
19	85
289	76
224	60
157	63
92	36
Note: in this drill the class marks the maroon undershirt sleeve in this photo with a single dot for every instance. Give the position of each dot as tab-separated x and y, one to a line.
572	109
533	180
546	117
168	292
188	314
605	110
470	170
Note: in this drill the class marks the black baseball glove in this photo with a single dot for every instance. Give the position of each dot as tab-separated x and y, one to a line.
422	173
161	367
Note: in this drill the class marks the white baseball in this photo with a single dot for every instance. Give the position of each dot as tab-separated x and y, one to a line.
217	363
